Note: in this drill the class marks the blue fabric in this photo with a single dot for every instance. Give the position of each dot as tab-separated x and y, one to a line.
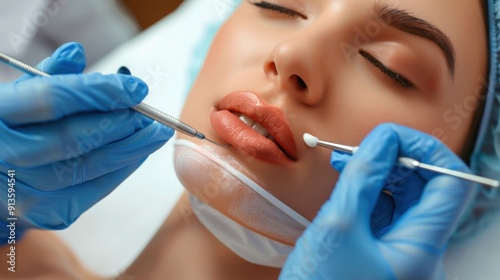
485	158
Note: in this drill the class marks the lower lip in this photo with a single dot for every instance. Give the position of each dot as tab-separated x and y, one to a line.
245	139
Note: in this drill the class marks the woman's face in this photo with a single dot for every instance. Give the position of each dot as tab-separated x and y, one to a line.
335	69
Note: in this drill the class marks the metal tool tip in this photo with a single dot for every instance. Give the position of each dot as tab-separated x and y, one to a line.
215	143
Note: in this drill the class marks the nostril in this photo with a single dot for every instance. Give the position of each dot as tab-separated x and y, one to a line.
301	82
271	68
298	82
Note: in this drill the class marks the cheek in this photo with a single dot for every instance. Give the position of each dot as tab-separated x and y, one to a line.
449	122
217	75
234	62
358	107
234	51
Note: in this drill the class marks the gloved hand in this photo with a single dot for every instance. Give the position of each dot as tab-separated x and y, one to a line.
339	244
67	141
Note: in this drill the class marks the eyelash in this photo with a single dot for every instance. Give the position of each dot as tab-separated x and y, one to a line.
276	8
399	79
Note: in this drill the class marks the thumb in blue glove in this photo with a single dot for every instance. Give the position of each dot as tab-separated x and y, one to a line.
340	244
67	59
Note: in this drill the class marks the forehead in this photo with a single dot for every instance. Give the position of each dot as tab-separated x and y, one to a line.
462	21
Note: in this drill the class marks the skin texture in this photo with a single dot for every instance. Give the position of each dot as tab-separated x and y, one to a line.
41	255
345	96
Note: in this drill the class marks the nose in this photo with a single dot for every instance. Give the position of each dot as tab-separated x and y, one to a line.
296	66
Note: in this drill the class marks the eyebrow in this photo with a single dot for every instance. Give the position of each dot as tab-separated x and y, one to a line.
405	22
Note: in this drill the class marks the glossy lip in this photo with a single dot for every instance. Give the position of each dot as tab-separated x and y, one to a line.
244	138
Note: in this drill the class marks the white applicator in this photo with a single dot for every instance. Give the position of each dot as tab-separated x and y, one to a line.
313	141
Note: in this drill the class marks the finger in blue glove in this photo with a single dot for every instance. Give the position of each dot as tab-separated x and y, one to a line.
67	59
339	244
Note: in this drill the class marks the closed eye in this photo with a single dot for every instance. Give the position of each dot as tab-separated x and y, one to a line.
277	8
399	79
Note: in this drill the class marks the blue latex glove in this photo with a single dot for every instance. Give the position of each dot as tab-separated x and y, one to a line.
70	140
339	244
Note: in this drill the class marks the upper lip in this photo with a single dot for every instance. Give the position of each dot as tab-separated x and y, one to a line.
270	117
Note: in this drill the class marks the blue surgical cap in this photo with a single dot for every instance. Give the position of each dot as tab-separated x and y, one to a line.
485	158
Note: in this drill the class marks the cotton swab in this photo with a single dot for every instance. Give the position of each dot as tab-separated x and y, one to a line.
313	141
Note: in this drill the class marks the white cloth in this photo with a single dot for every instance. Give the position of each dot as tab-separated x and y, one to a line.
32	29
